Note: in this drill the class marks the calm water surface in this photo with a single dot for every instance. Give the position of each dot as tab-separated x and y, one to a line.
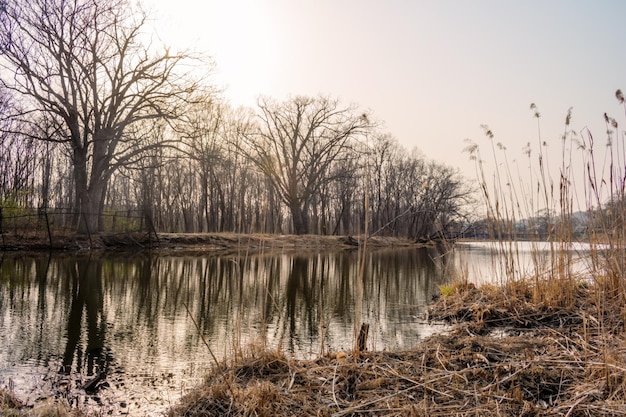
498	262
151	324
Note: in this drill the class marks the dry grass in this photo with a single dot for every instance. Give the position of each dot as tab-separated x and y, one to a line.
11	406
9	403
507	356
517	304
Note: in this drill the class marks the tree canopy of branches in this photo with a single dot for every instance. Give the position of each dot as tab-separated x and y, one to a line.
91	116
297	143
84	78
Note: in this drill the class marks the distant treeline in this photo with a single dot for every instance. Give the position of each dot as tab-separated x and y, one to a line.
98	118
210	185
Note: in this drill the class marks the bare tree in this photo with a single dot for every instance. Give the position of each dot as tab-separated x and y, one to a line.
297	143
204	130
441	198
82	65
384	156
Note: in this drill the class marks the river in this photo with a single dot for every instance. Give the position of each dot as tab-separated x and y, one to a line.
145	328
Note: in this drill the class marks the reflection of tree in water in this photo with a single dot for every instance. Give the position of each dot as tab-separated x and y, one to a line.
140	308
297	297
343	302
300	298
42	266
87	307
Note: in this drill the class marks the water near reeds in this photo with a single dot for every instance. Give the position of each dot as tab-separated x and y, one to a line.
499	262
150	326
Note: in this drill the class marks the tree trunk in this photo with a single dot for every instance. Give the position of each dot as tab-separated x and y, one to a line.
104	184
82	196
90	198
91	210
346	216
204	223
300	219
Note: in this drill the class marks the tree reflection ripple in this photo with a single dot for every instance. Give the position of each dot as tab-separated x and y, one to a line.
137	327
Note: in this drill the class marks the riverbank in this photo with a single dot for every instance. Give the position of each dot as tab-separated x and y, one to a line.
216	243
507	355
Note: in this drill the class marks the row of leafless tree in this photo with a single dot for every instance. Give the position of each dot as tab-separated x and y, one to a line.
95	118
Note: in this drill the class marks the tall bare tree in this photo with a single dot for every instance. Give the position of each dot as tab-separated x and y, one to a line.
296	145
83	64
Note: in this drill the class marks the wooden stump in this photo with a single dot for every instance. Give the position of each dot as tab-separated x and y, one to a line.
362	340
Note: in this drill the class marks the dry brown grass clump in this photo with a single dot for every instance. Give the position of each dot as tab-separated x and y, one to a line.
544	361
11	406
517	304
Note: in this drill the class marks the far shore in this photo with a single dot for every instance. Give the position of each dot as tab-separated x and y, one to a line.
213	243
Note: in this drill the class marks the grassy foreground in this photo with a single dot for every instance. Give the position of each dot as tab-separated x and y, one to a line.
508	355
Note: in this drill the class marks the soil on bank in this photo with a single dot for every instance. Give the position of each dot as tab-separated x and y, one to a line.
217	243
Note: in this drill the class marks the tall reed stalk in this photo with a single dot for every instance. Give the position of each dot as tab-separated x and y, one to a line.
544	205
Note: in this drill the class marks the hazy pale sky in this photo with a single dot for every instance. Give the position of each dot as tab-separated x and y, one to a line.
432	71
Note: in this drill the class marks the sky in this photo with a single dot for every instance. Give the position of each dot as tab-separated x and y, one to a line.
431	72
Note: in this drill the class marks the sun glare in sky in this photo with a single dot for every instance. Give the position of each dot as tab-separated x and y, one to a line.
238	35
430	71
